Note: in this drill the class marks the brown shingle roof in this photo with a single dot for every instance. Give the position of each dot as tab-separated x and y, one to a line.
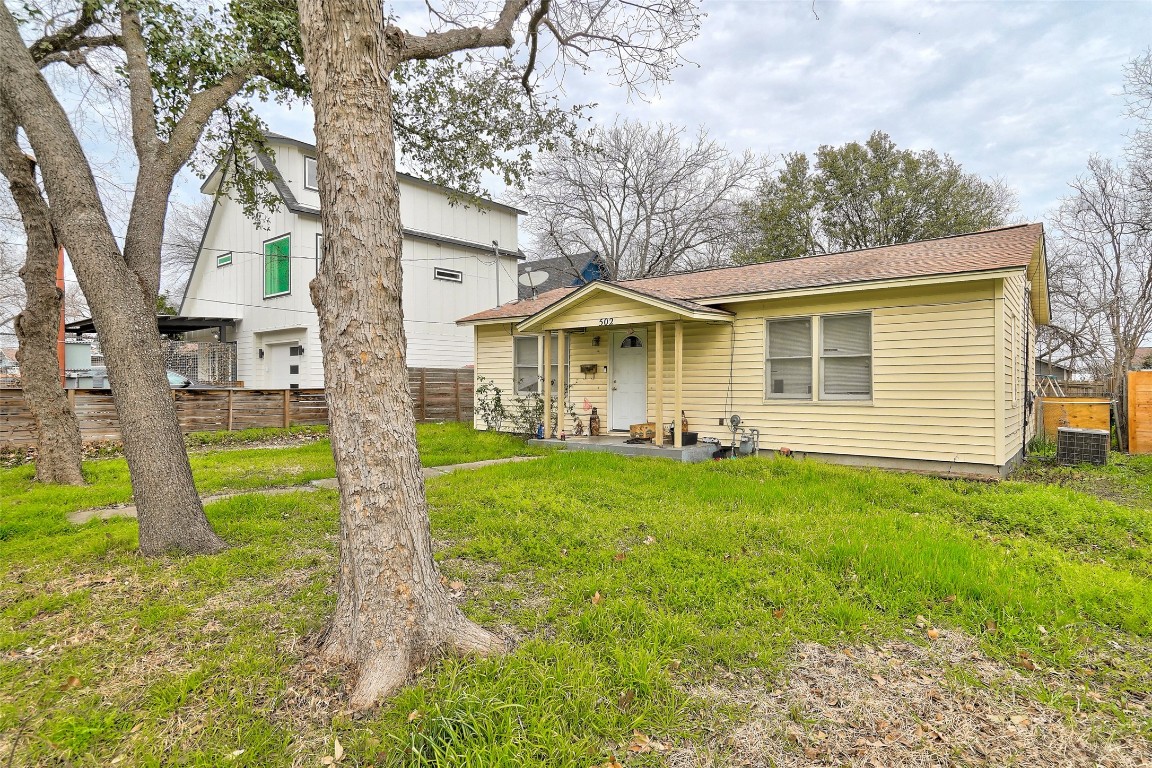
992	249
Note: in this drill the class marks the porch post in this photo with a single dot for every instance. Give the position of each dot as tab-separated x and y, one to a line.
547	384
561	375
659	383
678	424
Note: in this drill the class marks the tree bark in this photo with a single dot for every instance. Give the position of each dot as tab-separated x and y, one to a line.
392	613
123	307
59	450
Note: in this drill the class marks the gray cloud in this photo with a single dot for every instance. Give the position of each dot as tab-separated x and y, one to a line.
1022	91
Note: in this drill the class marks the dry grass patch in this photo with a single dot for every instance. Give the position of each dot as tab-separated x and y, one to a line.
901	703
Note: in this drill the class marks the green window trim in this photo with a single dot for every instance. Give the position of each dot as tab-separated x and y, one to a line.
224	259
278	267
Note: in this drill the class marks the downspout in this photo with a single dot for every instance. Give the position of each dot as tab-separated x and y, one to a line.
1027	379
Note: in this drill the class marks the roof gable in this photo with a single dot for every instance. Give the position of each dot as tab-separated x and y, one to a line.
674	307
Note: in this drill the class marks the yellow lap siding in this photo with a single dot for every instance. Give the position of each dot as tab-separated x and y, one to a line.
939	371
620	310
934	353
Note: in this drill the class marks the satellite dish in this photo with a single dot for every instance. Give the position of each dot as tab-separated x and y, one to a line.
534	279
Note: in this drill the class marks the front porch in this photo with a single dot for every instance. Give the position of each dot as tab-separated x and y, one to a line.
621	354
618	444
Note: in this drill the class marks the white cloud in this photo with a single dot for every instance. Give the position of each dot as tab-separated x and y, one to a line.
1022	91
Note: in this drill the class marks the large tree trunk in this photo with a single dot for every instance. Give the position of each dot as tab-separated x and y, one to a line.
392	613
59	450
123	307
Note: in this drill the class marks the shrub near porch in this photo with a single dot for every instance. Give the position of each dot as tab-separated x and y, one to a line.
626	583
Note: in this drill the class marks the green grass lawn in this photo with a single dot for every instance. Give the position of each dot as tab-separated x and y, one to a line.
700	570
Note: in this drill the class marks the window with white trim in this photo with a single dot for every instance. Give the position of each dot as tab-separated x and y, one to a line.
527	372
846	357
310	173
526	364
451	275
319	250
788	367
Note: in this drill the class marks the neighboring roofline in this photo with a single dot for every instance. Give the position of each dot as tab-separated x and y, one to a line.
299	208
675	306
281	138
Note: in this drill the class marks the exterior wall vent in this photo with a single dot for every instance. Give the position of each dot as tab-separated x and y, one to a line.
1082	446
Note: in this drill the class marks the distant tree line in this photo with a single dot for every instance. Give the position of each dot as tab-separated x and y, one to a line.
654	199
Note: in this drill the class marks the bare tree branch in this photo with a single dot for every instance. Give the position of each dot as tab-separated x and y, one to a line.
647	198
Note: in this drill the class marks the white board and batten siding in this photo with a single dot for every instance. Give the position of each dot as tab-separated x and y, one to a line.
941	367
431	305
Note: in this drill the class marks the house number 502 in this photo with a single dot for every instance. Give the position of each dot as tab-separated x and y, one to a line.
607	320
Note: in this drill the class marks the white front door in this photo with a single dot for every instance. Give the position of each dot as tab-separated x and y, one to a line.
283	365
629	398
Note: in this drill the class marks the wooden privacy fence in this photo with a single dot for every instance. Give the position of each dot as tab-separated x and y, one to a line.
1140	411
438	394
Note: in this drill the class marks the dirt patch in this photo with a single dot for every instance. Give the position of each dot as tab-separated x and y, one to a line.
908	705
1090	481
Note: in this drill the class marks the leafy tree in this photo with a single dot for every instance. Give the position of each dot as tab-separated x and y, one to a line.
392	614
867	195
187	71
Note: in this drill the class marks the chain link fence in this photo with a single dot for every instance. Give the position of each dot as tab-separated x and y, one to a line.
203	363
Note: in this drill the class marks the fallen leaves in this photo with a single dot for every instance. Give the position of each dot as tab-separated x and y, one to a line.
642	743
619	556
933	634
597	598
625	699
337	753
70	683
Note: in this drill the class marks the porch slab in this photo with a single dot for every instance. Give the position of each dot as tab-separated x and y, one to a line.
689	454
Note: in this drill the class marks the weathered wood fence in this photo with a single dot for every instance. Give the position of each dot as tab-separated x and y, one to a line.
438	394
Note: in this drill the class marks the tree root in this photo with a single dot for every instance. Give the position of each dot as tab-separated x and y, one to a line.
384	672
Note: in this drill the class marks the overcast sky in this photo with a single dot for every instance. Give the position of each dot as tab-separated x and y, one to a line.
1020	90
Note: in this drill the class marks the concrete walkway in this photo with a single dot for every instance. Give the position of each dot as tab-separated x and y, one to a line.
81	516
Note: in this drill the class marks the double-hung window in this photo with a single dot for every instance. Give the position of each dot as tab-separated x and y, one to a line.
788	369
277	267
846	357
527	369
526	364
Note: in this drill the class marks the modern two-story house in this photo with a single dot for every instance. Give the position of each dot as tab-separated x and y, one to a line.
458	257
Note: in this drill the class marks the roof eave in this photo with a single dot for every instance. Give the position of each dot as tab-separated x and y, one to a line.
942	277
527	325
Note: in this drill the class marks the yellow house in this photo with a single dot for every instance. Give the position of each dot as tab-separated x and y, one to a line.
913	356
